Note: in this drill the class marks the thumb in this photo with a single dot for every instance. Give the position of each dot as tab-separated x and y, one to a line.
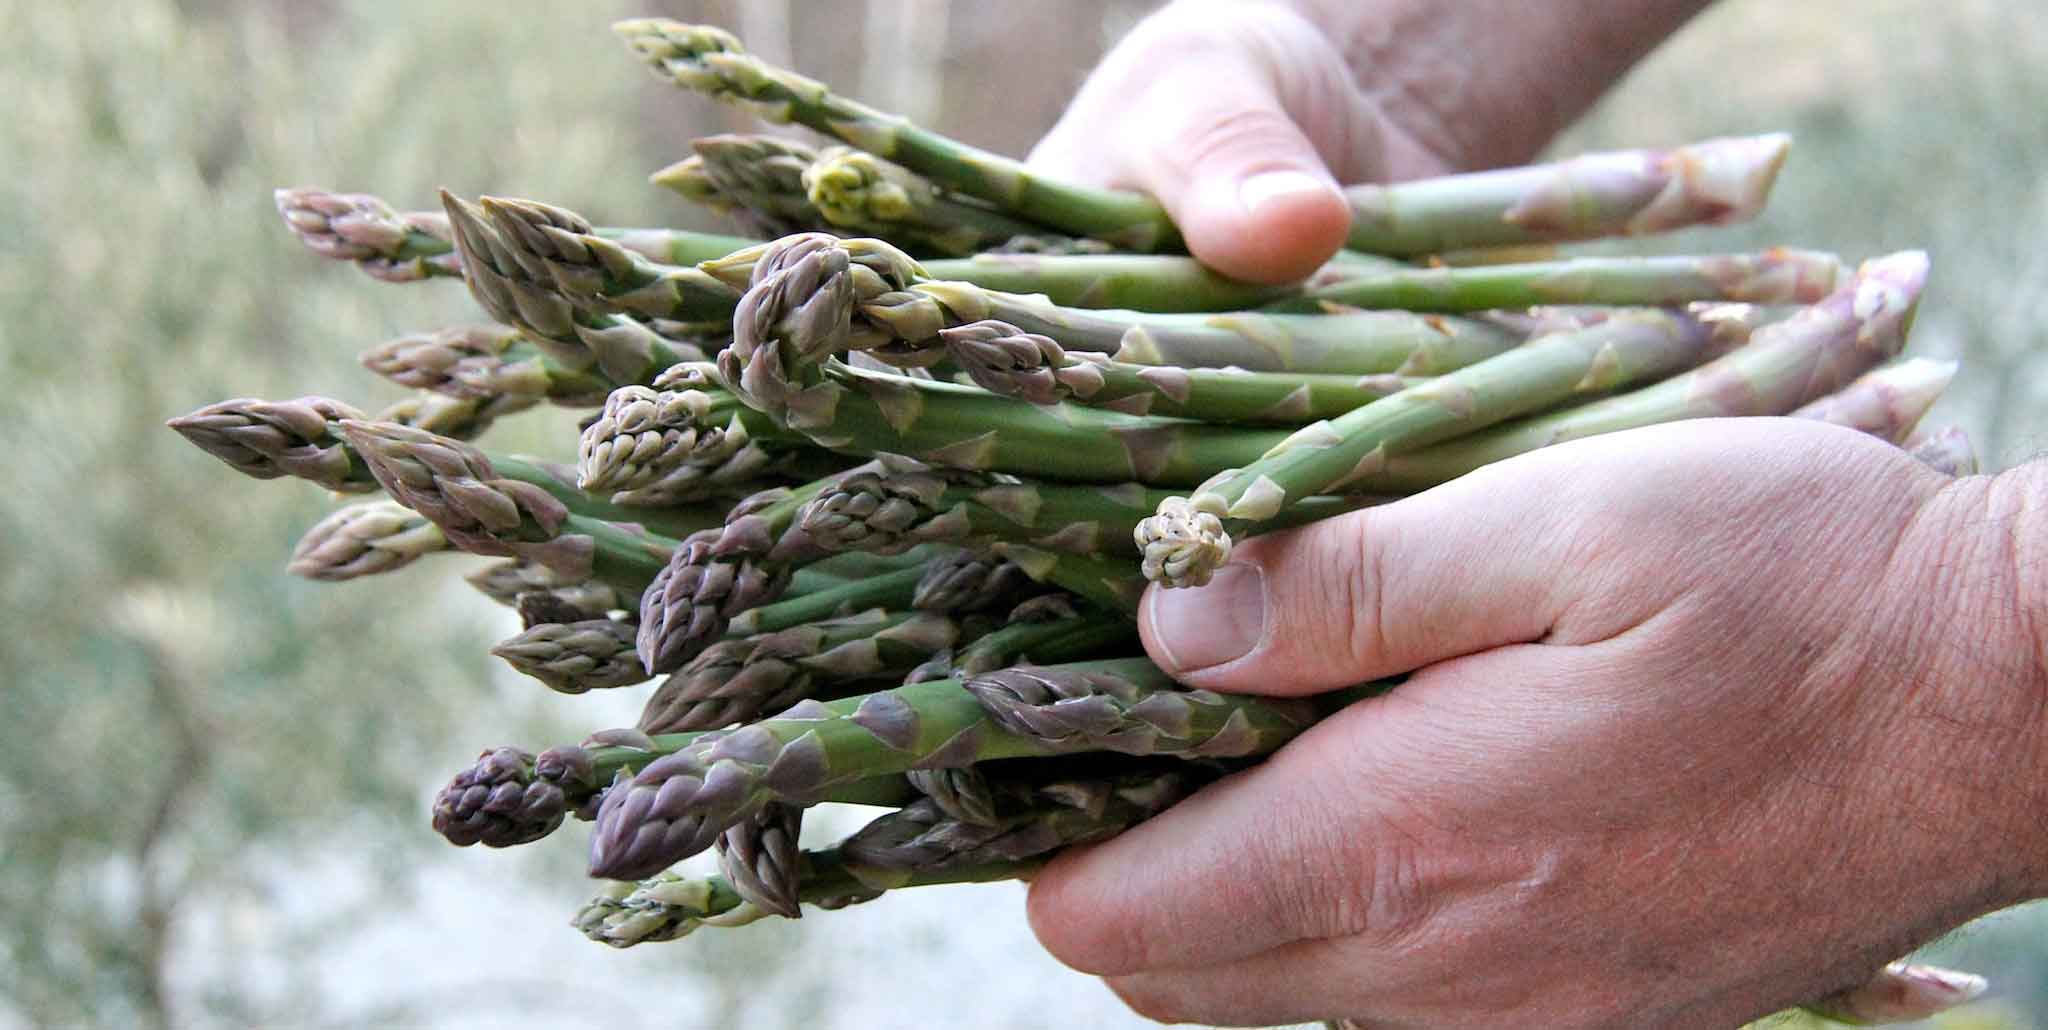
1374	593
1247	188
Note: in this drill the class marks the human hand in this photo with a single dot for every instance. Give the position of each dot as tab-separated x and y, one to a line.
1710	719
1242	117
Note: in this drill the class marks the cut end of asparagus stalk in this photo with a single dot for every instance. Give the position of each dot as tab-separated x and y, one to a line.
575	657
1885	402
364	540
270	439
1184	543
1901	993
1946	450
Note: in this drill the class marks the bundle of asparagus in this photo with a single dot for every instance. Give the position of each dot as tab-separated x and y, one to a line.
879	524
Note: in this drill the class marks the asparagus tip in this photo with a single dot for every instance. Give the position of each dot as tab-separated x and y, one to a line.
1183	543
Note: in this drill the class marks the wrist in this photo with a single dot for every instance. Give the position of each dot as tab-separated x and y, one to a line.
1979	560
1489	83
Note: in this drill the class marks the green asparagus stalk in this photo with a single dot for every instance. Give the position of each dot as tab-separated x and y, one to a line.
1777	276
734	681
364	540
1009	362
304	438
670	906
712	62
1189	538
518	290
549	244
1887	401
409	246
894	503
511	796
719	573
1070	638
1107	583
485	362
678	804
576	657
888	590
814	296
758	857
484	512
1785	365
963	427
1625	193
511	581
1946	450
865	195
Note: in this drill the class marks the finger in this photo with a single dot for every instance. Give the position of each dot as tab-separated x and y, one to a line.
1294	983
1246	187
1290	849
1369	594
1211	139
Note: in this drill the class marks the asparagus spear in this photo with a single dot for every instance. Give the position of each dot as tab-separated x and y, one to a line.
364	540
511	796
1785	365
762	176
1625	193
509	582
893	503
865	195
1777	276
889	590
1189	538
1887	401
304	438
813	296
758	858
678	804
712	62
923	835
483	512
734	681
1947	450
670	906
965	581
719	573
548	244
575	657
1009	362
1071	637
408	246
516	289
485	362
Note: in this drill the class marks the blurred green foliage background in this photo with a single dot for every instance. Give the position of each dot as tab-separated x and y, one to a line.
213	778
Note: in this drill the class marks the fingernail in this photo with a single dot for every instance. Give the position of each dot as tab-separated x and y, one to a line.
1209	625
1266	187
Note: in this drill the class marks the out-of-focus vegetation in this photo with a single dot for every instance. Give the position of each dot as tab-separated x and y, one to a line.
213	777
